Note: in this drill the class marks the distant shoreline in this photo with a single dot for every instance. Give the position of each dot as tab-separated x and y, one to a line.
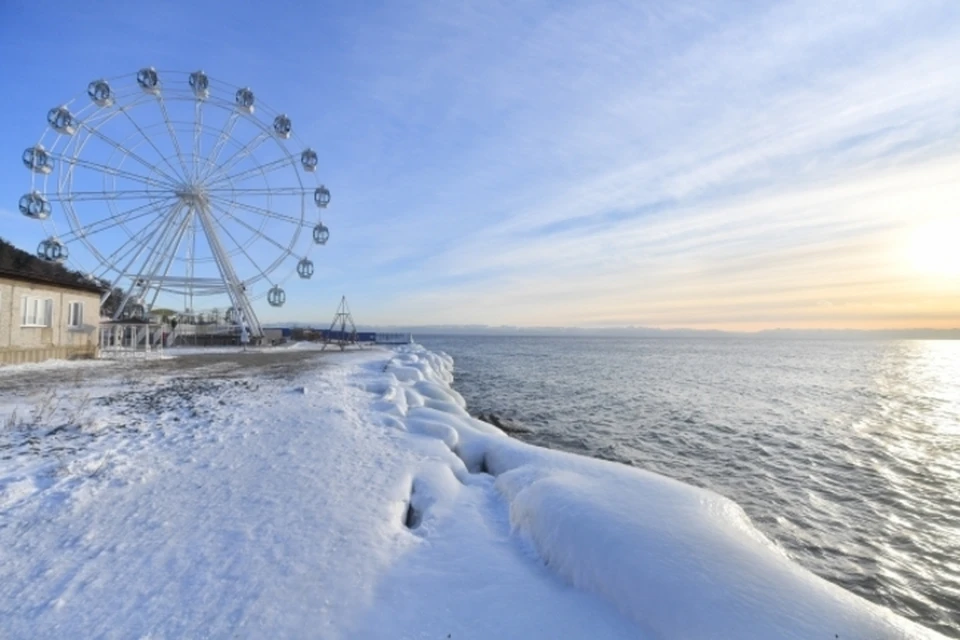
916	333
772	334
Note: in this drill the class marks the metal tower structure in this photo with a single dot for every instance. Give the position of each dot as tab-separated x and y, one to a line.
342	331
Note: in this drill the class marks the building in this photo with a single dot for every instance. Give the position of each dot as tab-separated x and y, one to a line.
277	335
46	310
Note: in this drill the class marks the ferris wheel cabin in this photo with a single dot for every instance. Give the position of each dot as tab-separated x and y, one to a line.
245	100
149	80
38	160
62	121
100	92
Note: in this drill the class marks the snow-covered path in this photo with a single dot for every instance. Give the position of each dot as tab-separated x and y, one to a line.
280	517
358	499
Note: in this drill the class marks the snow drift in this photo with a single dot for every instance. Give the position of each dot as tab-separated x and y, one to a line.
353	496
680	561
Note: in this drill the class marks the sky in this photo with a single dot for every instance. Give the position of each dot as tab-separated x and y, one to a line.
737	166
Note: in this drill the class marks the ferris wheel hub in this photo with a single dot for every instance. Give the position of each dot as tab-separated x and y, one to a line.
193	196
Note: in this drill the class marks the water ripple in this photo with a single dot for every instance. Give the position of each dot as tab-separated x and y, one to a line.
846	453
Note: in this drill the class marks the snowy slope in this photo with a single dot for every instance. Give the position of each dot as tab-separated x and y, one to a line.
681	562
360	500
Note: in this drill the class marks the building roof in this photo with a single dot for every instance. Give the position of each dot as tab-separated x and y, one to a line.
17	264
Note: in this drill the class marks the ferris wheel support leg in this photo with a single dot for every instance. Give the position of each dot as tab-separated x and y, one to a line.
123	251
160	233
235	288
166	259
191	250
135	240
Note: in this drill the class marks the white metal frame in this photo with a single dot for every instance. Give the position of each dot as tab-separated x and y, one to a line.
165	202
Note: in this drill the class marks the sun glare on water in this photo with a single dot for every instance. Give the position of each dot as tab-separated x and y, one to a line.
934	248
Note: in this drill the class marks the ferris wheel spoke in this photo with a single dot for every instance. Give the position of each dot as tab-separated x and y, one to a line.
165	259
261	191
106	266
278	191
263	168
223	203
83	196
110	222
166	271
197	129
136	245
123	150
149	140
173	135
240	246
127	248
112	171
159	248
144	237
251	228
122	251
222	138
242	153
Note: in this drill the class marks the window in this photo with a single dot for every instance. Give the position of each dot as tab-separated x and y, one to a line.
28	311
35	312
75	315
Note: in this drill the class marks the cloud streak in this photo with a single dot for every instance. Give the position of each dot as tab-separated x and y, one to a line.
769	185
686	164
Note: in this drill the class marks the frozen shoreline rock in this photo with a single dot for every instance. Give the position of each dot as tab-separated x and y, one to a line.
680	561
373	506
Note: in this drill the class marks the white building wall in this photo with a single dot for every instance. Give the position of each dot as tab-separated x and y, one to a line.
57	340
6	312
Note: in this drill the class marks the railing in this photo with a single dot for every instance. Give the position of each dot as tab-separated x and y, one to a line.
130	341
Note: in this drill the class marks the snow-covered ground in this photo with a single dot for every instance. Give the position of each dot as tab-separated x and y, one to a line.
352	496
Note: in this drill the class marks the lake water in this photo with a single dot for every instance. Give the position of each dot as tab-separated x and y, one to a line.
846	453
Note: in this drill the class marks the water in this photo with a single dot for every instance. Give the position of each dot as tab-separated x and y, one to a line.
846	453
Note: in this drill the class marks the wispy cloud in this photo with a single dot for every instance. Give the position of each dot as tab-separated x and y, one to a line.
740	165
772	160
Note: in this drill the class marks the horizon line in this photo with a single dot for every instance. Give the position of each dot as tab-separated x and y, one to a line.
466	328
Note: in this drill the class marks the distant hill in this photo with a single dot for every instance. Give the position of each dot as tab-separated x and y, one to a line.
651	332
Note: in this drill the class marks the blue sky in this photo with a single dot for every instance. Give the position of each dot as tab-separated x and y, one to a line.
750	165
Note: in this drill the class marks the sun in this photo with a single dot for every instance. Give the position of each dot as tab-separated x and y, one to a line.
934	247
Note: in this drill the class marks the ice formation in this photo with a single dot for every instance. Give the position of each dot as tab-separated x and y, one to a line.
680	561
359	499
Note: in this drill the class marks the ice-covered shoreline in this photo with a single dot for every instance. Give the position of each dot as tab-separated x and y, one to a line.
679	560
360	499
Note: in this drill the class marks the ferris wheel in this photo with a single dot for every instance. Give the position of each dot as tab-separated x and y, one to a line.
176	185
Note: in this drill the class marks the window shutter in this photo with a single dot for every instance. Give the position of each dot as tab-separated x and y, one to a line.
48	312
23	309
